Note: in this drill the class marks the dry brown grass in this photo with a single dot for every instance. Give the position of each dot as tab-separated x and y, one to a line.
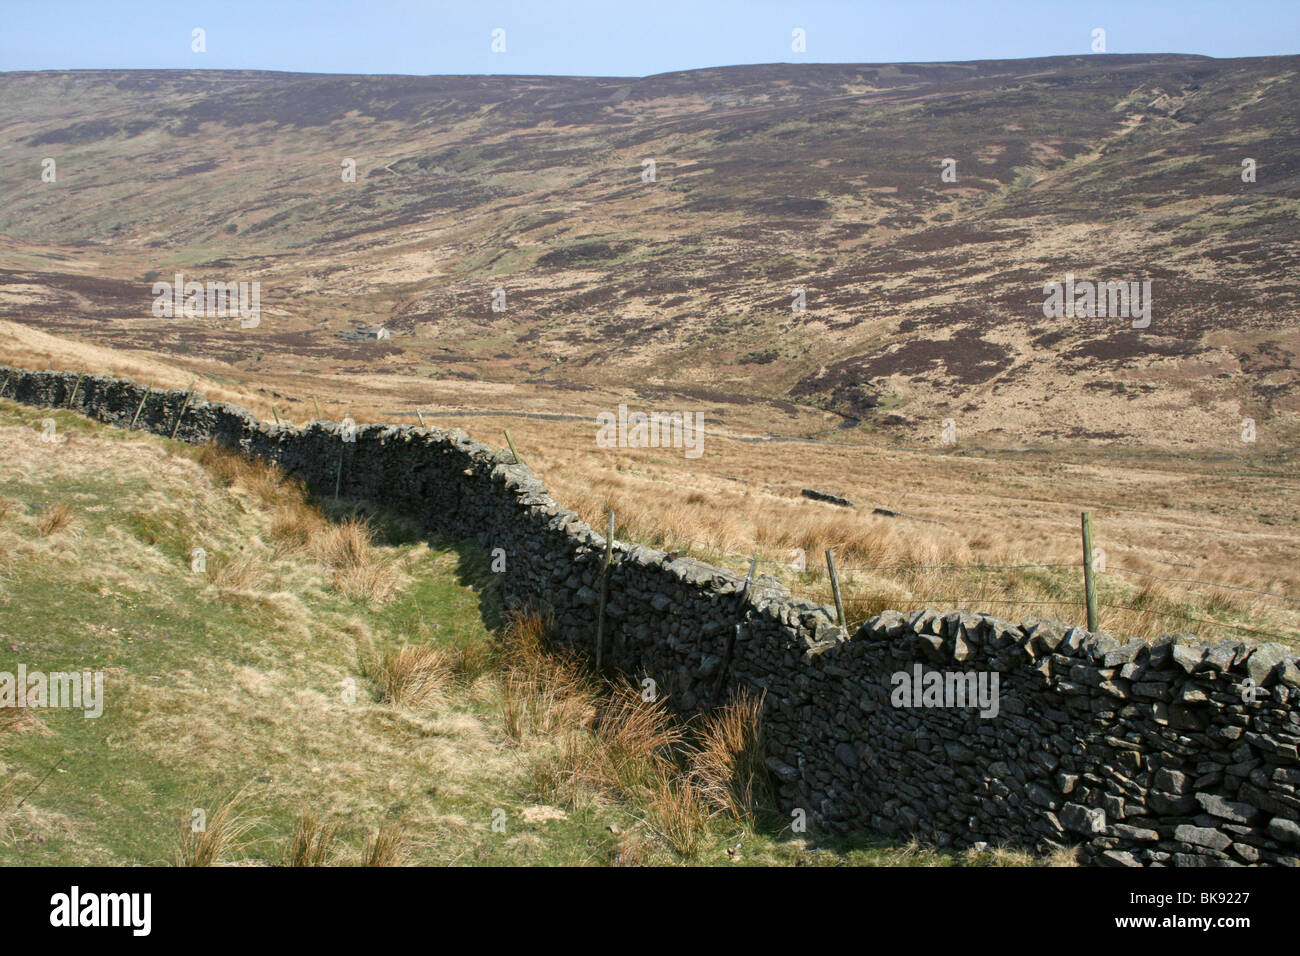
471	661
677	813
344	549
224	835
1062	856
24	346
545	701
231	469
727	759
21	720
616	750
357	568
295	525
343	545
633	737
388	846
528	636
312	843
415	676
588	741
544	694
583	740
236	575
53	519
998	510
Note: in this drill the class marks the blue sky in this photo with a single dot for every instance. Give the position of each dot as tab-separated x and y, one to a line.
614	37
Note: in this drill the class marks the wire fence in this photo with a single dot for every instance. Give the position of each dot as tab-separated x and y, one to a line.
1211	584
988	567
954	602
801	565
957	603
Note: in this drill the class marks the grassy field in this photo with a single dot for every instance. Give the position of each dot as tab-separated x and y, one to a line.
326	687
1220	526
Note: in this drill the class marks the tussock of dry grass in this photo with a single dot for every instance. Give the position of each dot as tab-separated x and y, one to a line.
545	701
632	736
1063	856
617	754
415	676
343	545
544	694
345	549
727	760
607	743
388	846
312	843
678	814
223	837
471	661
267	483
526	639
358	569
294	525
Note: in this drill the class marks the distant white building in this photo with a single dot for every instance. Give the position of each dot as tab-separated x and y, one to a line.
374	333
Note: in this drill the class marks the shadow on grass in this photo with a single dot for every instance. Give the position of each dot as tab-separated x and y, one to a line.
473	571
394	529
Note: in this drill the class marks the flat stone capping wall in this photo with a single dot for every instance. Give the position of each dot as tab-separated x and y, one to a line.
954	727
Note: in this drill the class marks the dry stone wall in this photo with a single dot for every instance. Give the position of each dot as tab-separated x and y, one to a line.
1173	752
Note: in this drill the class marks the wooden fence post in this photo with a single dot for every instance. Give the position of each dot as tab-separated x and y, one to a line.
514	451
835	590
181	414
317	404
75	385
1089	585
276	414
725	666
604	589
338	477
420	416
139	408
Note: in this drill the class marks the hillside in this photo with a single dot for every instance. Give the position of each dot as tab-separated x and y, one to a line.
326	686
924	298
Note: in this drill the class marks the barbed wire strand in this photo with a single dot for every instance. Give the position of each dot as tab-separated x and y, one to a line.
990	567
1114	607
1212	584
965	567
968	601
